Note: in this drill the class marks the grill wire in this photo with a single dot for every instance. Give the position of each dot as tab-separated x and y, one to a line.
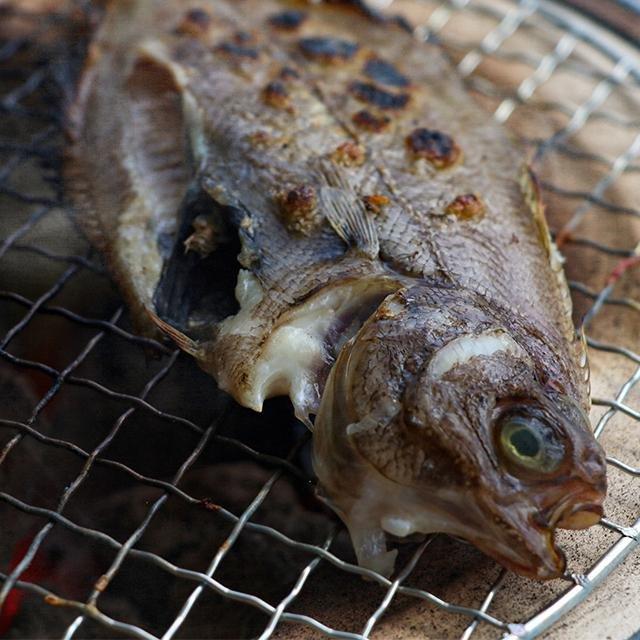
44	316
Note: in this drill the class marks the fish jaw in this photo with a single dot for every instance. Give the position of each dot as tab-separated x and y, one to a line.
512	535
384	510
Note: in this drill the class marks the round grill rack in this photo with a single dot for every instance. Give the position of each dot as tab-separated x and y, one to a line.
136	500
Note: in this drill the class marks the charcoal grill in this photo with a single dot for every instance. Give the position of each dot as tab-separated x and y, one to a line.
136	500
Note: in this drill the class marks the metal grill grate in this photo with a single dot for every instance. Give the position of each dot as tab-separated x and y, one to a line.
98	400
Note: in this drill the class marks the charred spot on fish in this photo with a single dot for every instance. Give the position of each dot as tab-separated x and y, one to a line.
466	207
359	6
244	37
402	23
260	139
299	209
370	122
288	20
434	146
198	16
288	73
235	50
375	203
276	95
349	154
384	72
371	94
195	22
328	50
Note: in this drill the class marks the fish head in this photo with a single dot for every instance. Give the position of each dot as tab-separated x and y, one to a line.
469	441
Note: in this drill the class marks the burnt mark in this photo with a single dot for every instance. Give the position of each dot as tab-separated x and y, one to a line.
349	154
375	203
244	37
195	22
289	73
260	139
288	20
466	207
369	93
361	7
384	72
235	50
276	95
402	23
434	146
299	209
370	122
328	50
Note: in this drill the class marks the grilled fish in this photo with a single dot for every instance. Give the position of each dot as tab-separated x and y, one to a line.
393	271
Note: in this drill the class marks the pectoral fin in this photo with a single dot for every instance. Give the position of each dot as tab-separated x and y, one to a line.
346	212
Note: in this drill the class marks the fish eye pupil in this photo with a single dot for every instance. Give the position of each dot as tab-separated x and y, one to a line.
530	443
525	442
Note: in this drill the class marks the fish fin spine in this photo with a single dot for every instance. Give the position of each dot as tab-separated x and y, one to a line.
531	192
346	212
184	342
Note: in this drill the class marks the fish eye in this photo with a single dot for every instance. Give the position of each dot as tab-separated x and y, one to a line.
529	443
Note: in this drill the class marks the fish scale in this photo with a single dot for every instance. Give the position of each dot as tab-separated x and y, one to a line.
394	275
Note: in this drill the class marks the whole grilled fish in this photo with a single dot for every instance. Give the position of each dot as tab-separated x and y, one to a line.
392	267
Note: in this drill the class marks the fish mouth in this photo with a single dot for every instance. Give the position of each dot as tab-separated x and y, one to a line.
519	536
534	556
579	512
526	544
581	517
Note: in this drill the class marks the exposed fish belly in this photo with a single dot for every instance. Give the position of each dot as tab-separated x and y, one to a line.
303	342
305	198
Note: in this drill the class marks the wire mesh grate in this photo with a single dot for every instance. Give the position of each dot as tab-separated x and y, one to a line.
91	404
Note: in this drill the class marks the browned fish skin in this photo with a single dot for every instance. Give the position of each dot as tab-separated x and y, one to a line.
352	173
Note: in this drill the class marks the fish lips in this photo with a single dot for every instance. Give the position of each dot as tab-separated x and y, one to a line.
581	516
524	543
538	557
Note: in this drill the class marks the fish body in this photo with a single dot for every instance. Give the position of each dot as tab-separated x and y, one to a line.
304	197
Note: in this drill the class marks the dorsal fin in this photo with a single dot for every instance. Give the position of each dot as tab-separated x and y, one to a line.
346	212
582	358
531	192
